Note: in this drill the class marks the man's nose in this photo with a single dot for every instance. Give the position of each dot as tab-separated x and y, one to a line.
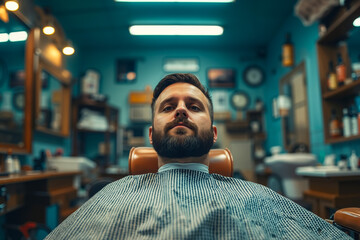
181	112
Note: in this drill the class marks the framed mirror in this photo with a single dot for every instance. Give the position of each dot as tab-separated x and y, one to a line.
295	126
53	96
16	85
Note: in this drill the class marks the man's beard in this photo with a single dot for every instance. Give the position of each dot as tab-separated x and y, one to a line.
181	146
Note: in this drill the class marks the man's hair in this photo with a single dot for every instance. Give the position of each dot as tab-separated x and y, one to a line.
184	78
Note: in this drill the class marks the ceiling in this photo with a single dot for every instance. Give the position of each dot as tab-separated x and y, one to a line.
105	23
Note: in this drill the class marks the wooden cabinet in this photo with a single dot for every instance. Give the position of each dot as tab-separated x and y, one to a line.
104	134
330	44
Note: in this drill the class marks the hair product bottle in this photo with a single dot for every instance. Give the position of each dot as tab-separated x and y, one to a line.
332	80
346	123
288	52
354	120
334	128
340	70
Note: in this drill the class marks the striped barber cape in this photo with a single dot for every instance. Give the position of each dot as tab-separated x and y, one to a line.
189	204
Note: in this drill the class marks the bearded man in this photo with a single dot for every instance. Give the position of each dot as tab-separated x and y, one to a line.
182	200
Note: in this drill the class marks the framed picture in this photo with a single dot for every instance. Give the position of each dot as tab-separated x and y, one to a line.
125	70
181	65
275	108
19	100
17	79
221	78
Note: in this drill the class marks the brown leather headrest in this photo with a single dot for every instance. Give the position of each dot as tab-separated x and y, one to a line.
145	160
348	217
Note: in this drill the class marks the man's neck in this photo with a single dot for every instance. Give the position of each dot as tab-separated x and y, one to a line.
202	159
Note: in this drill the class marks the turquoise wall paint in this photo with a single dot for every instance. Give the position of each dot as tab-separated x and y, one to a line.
304	39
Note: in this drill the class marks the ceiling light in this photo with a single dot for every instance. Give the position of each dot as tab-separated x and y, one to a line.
201	1
4	37
18	36
356	22
48	29
68	49
175	30
12	5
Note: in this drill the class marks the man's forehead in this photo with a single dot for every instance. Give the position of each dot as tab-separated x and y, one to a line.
181	90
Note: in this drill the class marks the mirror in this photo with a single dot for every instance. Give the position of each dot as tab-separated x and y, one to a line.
295	125
52	99
16	85
353	43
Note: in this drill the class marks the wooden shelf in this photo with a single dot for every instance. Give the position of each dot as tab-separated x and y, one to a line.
339	28
345	91
83	130
49	131
342	139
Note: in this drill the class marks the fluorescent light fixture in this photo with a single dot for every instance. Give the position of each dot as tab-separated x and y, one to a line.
356	22
175	30
198	1
4	37
18	36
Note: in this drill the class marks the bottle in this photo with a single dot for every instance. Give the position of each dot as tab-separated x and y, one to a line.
346	123
334	127
16	164
288	52
332	80
354	121
353	161
340	70
9	162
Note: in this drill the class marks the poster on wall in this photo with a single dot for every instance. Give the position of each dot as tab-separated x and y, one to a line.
221	78
125	70
17	79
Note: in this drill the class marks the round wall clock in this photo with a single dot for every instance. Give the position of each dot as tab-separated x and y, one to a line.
19	100
240	100
254	76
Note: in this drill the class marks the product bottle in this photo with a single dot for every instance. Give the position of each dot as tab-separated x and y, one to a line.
9	162
340	70
354	161
357	102
288	52
346	123
354	121
334	127
16	164
332	80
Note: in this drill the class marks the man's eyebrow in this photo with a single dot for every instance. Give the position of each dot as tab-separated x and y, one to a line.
171	99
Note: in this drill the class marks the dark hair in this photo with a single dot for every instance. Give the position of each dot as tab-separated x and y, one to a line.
185	78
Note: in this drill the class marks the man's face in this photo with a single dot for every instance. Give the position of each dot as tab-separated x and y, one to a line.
182	125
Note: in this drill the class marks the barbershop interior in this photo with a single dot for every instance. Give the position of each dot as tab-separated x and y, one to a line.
76	85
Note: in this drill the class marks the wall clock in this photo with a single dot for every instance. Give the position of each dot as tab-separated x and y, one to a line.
254	76
19	100
240	100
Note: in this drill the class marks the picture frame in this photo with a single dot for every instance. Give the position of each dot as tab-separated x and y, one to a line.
18	100
275	108
221	77
125	70
17	79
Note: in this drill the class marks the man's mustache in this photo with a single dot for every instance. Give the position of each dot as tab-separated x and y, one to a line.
184	122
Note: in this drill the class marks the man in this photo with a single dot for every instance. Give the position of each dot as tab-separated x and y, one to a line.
182	200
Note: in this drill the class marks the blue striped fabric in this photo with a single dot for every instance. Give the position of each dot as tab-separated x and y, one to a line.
187	204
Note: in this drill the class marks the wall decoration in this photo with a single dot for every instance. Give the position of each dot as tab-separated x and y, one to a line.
240	100
3	71
221	77
220	101
275	108
254	76
19	100
181	65
90	82
17	79
125	70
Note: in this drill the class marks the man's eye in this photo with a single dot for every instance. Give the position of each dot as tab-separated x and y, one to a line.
195	108
167	109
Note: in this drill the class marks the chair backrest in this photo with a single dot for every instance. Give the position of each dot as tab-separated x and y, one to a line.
145	160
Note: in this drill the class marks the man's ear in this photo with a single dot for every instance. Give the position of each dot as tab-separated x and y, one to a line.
215	133
150	134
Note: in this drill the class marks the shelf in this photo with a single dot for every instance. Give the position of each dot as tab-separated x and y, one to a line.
49	131
342	139
338	30
93	131
343	91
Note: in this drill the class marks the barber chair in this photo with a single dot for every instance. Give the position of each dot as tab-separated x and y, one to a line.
145	160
